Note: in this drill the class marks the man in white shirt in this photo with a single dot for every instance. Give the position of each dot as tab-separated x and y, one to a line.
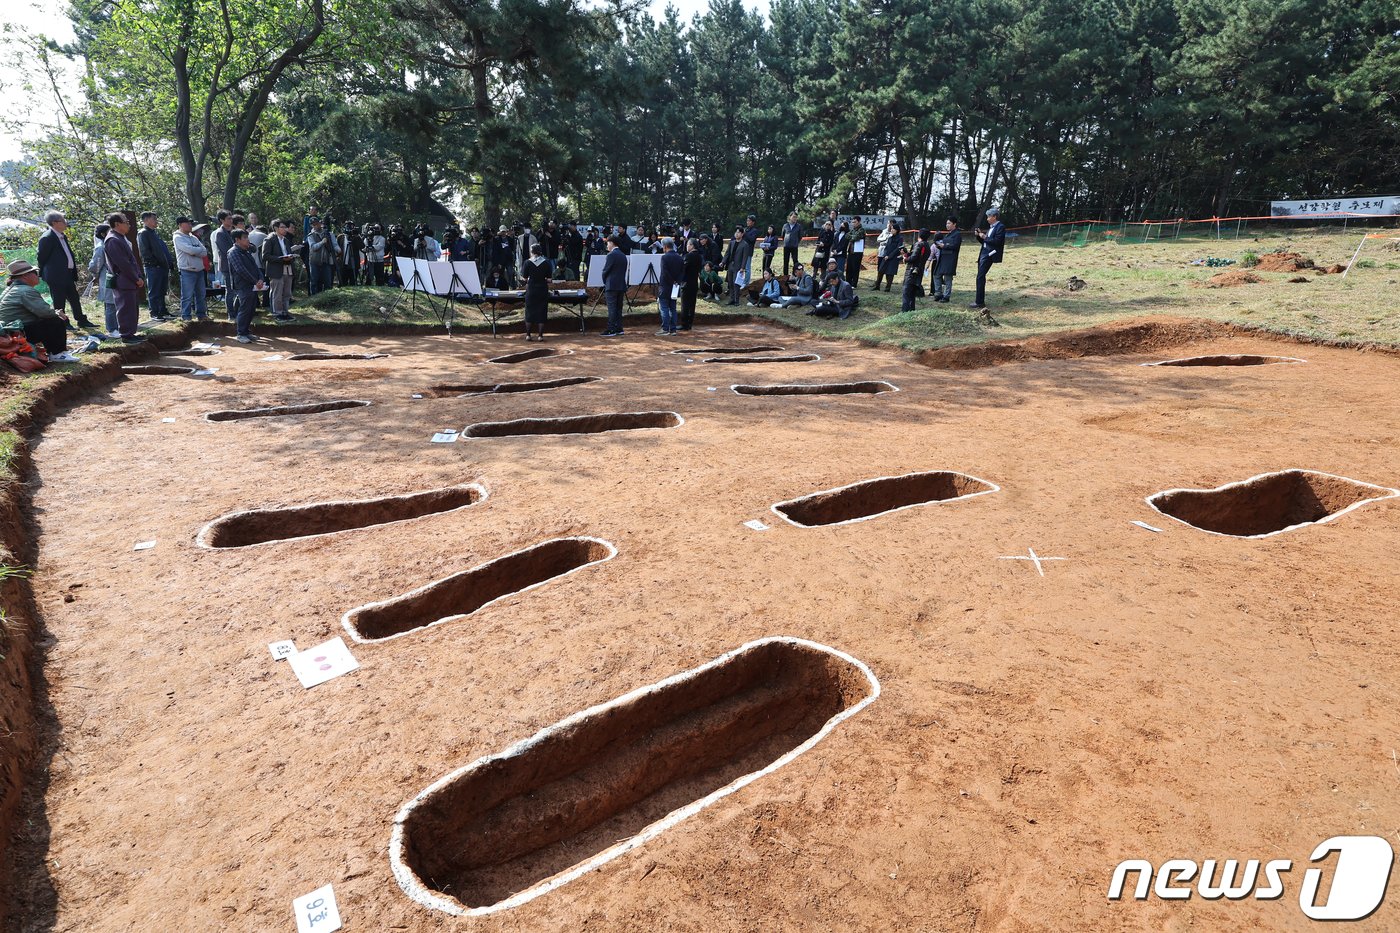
59	269
278	266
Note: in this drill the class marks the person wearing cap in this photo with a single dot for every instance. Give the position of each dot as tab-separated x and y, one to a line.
503	254
993	245
21	303
190	257
157	262
59	269
126	277
802	288
320	257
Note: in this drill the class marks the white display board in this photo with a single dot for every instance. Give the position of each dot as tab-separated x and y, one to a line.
406	266
436	278
637	266
595	271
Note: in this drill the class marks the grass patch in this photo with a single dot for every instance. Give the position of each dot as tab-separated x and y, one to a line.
1028	295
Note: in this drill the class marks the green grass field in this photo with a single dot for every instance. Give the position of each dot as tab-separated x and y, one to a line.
1028	294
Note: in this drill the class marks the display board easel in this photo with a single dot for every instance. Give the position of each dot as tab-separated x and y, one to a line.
413	284
642	269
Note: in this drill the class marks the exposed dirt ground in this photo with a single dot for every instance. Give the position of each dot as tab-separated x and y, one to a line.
1153	695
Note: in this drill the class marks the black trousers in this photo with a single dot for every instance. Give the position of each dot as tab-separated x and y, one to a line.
853	269
767	262
688	294
983	267
912	281
789	255
68	296
614	300
50	333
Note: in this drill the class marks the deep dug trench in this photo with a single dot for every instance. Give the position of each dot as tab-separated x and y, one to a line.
464	593
264	526
872	498
486	837
1267	504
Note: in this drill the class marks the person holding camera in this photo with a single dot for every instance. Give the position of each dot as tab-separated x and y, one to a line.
320	258
375	245
351	252
425	245
993	246
571	249
914	270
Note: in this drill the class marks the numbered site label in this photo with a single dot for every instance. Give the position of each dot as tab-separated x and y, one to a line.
317	912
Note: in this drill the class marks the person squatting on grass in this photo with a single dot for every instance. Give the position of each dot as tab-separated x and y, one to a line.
22	304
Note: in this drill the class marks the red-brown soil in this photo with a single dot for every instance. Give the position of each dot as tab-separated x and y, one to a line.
1283	261
1154	695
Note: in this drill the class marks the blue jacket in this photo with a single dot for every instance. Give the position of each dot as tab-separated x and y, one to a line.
242	269
53	260
994	245
615	272
672	271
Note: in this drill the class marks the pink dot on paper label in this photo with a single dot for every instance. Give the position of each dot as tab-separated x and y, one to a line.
319	657
325	667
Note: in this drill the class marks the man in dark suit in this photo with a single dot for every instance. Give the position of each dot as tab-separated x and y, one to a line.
694	260
669	285
157	261
126	276
572	249
614	284
59	269
949	242
993	245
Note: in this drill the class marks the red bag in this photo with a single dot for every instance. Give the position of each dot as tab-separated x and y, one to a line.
20	354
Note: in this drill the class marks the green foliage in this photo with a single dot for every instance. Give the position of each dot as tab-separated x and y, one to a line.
1249	260
1123	110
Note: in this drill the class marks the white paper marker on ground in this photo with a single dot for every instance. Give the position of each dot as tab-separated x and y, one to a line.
317	912
318	665
712	389
755	524
281	650
144	545
272	359
202	346
204	372
1147	526
416	395
167	421
445	437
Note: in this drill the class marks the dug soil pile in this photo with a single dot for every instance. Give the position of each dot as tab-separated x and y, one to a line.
1283	261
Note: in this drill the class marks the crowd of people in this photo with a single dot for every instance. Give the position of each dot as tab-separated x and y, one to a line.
245	266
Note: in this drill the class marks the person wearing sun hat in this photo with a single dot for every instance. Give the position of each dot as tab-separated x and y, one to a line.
21	303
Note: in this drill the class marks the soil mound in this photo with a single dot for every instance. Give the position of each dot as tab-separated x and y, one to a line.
1283	261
